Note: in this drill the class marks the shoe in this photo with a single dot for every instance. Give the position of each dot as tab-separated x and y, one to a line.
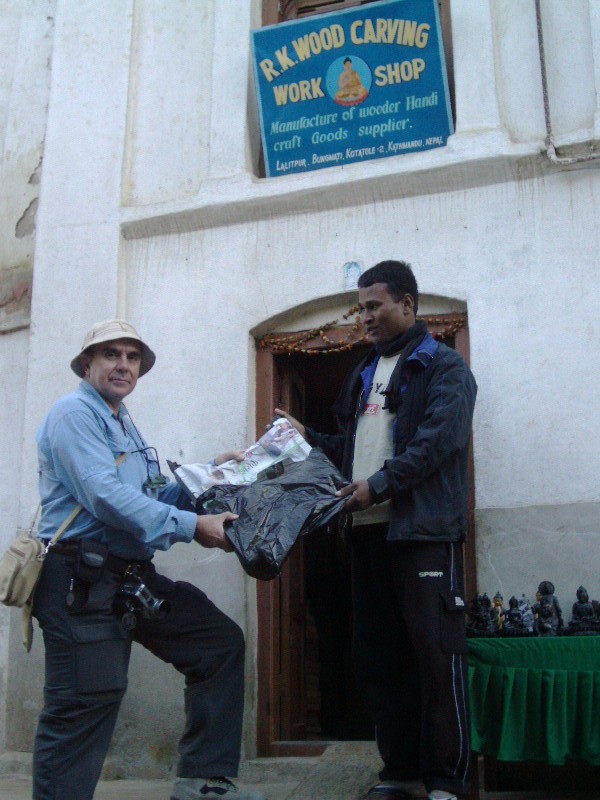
211	789
440	794
385	791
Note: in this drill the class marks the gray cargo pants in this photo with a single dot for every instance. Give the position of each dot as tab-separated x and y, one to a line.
87	657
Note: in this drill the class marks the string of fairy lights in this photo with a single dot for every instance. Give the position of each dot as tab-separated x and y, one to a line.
316	341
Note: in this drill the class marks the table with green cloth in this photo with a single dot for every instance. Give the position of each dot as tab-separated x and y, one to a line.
536	699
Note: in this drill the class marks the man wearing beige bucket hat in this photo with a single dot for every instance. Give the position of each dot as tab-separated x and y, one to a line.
99	590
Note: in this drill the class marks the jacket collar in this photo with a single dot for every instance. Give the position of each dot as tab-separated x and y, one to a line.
362	375
424	354
426	351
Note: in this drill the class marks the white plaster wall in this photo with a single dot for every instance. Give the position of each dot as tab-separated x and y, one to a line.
77	256
166	153
474	74
537	448
517	69
13	358
188	92
595	28
25	48
568	46
230	80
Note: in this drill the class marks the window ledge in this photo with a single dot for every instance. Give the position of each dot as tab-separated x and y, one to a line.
469	159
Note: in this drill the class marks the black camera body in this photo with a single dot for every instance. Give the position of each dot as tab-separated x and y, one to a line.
134	598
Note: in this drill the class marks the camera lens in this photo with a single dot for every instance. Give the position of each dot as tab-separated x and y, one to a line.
160	608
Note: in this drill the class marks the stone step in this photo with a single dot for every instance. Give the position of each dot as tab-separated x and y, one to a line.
344	772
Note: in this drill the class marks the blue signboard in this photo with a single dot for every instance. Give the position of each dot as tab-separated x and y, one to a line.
369	82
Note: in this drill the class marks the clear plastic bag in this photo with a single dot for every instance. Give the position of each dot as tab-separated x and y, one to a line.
292	500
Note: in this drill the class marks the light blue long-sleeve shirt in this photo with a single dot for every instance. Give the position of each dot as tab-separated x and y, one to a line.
78	445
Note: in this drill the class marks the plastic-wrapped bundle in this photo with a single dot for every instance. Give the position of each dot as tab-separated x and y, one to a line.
293	500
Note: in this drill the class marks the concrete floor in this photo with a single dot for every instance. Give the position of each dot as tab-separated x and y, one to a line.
343	772
18	787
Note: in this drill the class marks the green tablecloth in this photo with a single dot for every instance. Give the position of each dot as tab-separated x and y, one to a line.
536	699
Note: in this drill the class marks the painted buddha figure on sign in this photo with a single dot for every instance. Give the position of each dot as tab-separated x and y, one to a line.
350	86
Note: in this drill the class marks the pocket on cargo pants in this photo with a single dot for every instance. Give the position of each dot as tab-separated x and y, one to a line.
101	650
452	623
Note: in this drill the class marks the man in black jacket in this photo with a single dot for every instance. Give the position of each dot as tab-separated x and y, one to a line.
405	418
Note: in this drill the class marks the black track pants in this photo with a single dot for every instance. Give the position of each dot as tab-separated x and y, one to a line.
410	655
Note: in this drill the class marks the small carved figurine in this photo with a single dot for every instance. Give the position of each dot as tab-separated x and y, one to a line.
546	620
499	611
548	609
584	621
514	624
527	613
481	618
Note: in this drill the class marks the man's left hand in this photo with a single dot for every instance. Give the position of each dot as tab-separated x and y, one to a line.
359	496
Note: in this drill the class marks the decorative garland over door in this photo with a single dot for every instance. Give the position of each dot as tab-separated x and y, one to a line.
332	337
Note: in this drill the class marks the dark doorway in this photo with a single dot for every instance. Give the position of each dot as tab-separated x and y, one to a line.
334	710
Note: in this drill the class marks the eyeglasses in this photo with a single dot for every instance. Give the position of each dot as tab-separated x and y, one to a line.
155	480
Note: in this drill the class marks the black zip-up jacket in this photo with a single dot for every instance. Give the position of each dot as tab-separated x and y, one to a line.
427	479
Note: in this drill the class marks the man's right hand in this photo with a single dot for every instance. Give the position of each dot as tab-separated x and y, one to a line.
293	421
210	530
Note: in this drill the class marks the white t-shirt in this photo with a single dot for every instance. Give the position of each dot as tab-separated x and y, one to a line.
373	443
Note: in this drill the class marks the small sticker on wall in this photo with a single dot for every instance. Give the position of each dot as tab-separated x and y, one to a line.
352	271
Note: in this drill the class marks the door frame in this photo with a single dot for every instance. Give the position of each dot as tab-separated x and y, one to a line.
275	702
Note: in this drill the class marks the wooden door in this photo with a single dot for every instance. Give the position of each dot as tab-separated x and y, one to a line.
282	702
292	617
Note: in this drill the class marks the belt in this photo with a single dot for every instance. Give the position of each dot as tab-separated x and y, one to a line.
121	566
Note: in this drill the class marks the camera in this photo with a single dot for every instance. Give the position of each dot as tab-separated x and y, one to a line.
133	598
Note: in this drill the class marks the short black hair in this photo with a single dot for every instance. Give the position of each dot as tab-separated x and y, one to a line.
398	276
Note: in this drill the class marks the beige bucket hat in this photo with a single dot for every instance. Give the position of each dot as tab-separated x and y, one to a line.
109	331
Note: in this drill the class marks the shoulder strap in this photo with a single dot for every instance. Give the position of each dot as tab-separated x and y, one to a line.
72	516
35	516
